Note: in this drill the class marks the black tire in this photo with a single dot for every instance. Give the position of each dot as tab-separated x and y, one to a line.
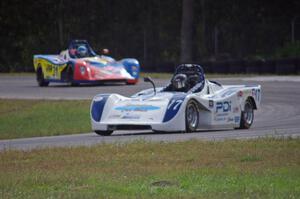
191	116
104	133
247	116
70	76
40	78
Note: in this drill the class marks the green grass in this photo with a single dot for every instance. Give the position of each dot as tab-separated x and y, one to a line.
262	168
29	118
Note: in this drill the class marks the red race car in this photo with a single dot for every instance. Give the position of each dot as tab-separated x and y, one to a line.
80	64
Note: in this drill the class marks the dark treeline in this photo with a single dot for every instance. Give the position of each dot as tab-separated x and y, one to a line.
149	30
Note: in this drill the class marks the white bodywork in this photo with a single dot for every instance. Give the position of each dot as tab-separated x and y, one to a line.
219	107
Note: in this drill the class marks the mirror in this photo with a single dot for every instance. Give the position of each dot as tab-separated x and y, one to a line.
147	79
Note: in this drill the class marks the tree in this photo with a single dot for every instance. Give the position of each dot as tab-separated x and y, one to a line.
60	23
187	30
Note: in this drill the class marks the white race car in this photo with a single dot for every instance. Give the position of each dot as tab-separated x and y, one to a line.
189	103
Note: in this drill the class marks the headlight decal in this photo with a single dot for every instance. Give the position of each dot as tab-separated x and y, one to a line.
174	106
97	106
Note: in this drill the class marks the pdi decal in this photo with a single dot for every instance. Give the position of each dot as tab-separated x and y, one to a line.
223	107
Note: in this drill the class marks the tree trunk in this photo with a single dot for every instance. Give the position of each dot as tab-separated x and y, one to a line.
60	24
187	30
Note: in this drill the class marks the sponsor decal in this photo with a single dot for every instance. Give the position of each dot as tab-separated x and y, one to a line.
223	106
219	119
237	119
114	116
51	68
222	114
211	103
137	108
230	119
129	116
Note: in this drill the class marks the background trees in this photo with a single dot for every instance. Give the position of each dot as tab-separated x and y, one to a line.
149	30
187	29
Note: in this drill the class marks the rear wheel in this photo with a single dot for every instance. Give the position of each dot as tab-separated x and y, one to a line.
40	78
191	116
104	133
247	116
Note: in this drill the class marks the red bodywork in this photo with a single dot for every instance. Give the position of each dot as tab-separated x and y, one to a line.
92	73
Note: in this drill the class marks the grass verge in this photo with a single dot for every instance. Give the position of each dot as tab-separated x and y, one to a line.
262	168
30	118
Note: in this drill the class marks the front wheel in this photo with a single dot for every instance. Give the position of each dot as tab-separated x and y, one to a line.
191	116
247	116
104	133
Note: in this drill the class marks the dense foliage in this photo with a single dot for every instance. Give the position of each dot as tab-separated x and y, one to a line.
146	29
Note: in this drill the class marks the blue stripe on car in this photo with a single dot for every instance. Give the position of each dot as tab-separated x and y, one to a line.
97	106
173	106
143	108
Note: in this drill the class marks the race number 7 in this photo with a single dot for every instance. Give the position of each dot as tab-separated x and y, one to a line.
175	104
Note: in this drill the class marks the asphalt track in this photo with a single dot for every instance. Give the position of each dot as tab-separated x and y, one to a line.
279	115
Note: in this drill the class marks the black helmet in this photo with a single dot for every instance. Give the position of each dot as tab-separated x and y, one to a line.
179	82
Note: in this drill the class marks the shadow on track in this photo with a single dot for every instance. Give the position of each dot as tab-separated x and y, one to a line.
166	133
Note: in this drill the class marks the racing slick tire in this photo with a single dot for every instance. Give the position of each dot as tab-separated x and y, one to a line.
104	133
70	76
247	116
191	116
40	78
